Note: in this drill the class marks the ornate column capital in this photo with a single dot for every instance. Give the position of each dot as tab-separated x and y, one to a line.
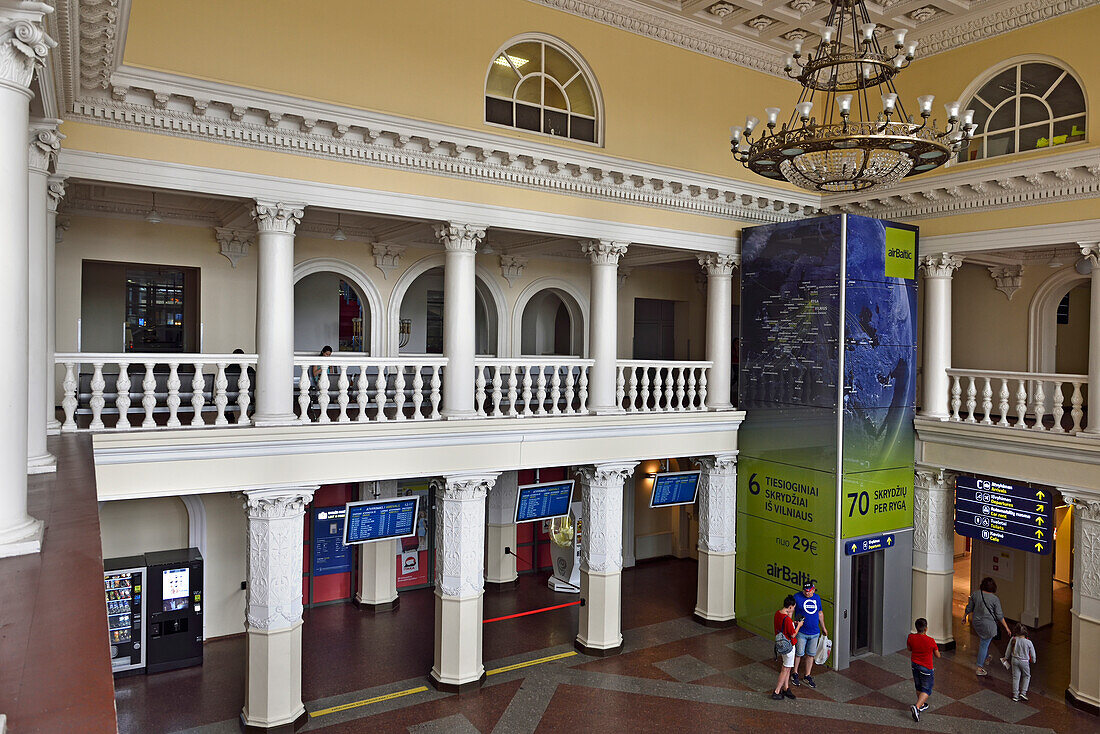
725	464
466	486
277	216
1008	278
602	515
1090	251
459	237
605	475
279	503
55	192
604	252
717	265
275	556
934	478
1085	505
511	267
943	265
460	534
24	43
718	503
45	141
235	243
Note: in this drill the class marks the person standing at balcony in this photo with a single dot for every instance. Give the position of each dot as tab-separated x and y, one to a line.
983	609
810	608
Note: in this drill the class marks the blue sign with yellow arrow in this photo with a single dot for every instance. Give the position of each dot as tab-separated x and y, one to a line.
868	545
1013	515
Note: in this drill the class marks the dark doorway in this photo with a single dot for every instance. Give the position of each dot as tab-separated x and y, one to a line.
866	601
654	329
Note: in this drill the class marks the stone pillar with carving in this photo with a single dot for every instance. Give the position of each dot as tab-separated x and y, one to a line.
717	539
604	256
275	222
937	270
500	567
23	48
600	630
55	193
934	551
273	611
45	141
459	580
719	270
1084	670
378	560
1091	252
459	323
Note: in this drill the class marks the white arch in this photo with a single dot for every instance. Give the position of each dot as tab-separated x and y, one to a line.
1042	318
438	260
363	284
536	287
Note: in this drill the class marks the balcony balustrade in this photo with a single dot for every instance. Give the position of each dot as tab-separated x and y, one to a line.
521	387
376	389
1038	400
662	387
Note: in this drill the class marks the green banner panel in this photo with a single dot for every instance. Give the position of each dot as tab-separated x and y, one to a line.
800	498
758	599
876	502
786	555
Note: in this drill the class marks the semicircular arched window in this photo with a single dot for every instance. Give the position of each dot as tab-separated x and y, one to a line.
1028	106
537	86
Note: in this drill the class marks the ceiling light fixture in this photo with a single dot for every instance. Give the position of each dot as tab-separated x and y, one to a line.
851	148
339	235
1055	261
153	217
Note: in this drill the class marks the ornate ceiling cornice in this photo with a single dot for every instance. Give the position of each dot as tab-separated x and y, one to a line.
997	22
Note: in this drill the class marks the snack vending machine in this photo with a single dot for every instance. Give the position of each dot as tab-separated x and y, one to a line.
122	584
174	593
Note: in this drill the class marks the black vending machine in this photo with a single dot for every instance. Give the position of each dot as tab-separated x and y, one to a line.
122	585
173	594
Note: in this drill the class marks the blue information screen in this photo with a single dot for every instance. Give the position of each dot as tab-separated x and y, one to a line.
542	501
1014	515
677	488
380	520
330	555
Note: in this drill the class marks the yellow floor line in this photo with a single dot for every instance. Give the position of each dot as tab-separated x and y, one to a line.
529	663
376	699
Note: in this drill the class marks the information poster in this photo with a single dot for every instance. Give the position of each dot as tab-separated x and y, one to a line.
414	553
330	555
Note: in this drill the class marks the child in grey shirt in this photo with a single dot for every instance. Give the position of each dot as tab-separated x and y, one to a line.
1019	656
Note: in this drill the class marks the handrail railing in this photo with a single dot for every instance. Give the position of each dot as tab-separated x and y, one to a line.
661	386
409	387
1026	393
526	386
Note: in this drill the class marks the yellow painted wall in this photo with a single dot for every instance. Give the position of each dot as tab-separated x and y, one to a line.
988	331
1017	216
662	104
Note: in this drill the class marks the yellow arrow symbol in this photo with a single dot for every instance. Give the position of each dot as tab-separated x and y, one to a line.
1039	494
1039	546
1038	533
1039	508
1039	520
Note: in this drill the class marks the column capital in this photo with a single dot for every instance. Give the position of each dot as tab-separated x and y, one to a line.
460	237
279	503
718	463
466	486
55	192
943	265
606	474
1090	251
234	243
933	509
24	43
718	265
604	252
933	478
275	556
718	502
602	515
277	216
45	141
1085	505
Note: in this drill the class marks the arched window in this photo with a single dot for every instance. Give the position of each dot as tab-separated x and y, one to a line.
1027	106
540	86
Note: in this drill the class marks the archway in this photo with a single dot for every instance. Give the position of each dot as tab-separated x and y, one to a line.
328	295
551	317
1042	326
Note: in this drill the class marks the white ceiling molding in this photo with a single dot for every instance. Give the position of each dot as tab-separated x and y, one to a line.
1014	238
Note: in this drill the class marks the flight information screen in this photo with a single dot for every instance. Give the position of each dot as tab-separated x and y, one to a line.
380	520
543	501
674	488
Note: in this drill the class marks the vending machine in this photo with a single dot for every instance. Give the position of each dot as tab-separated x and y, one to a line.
174	603
122	584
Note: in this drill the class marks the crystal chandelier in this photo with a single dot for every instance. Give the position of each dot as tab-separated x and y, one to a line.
851	148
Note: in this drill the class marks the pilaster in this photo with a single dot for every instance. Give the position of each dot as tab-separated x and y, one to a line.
937	271
1091	252
934	551
55	191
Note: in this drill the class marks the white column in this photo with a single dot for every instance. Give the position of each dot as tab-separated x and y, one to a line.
1084	669
459	580
934	551
719	270
23	46
937	270
378	561
275	311
600	630
500	567
45	141
717	539
1091	251
273	612
603	326
459	308
55	193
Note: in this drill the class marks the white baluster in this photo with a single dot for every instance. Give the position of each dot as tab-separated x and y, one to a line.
669	381
632	394
1021	405
399	392
380	394
497	394
582	391
680	389
479	390
620	385
658	393
303	394
322	395
122	398
1003	406
97	400
434	395
555	389
342	397
173	394
1058	409
221	399
987	402
691	390
243	399
512	393
703	388
956	397
1039	399
540	391
570	382
198	399
418	392
527	390
644	405
1076	401
69	402
149	395
361	389
971	402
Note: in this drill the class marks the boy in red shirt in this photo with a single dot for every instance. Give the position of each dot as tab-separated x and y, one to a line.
922	648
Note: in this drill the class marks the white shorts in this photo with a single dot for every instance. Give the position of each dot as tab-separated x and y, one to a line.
787	661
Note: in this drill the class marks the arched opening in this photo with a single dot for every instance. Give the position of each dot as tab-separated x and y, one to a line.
551	325
1071	349
420	326
330	310
1048	348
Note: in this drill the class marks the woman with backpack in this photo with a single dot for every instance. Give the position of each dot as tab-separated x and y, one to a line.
984	611
785	631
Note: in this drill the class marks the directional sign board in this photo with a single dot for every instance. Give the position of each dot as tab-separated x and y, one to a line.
868	545
1012	515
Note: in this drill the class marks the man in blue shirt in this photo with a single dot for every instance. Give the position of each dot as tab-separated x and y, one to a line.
808	604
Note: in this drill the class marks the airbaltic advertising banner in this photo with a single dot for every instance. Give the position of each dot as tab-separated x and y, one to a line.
827	374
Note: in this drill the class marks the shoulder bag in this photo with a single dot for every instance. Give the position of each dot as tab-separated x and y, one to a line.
991	614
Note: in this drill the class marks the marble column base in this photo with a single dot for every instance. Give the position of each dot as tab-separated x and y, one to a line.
23	540
273	680
53	427
714	601
933	595
600	630
1084	668
458	625
43	464
500	567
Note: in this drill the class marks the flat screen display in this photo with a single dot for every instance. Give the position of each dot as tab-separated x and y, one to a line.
543	501
674	488
176	588
384	519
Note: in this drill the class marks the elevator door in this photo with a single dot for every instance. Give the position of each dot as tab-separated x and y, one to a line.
866	602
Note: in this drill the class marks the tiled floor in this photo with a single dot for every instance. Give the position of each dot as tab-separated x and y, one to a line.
674	675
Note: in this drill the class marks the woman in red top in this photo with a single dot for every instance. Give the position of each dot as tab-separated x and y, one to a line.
786	625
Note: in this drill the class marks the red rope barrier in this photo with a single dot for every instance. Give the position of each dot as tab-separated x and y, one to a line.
533	611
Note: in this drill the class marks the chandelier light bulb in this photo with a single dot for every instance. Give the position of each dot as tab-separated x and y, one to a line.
912	49
827	34
743	147
925	102
889	101
750	124
790	64
735	133
952	109
868	31
899	61
844	102
899	37
804	109
969	129
797	49
866	71
968	117
773	115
